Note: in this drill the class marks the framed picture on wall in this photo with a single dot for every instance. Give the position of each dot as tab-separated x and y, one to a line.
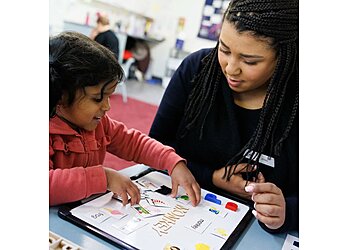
211	19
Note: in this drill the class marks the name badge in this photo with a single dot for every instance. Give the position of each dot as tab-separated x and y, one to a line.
264	159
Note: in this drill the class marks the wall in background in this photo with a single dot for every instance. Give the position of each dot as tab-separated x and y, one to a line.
165	16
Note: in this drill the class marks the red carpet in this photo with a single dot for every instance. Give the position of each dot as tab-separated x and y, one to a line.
134	114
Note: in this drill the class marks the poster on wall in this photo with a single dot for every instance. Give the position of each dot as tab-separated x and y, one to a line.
211	18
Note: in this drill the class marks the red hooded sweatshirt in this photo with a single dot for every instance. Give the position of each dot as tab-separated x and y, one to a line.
76	158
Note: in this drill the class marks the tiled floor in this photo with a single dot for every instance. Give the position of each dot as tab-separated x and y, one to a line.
143	91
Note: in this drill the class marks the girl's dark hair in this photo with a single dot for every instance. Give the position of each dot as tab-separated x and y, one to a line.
276	20
76	62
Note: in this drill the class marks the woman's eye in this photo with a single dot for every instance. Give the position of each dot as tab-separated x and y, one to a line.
224	51
251	63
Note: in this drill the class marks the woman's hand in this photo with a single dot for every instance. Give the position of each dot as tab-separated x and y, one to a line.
236	183
182	176
269	204
122	186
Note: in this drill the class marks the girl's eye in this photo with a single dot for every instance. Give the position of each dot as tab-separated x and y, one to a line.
95	99
99	99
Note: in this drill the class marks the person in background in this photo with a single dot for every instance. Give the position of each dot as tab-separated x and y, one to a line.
83	75
103	34
232	111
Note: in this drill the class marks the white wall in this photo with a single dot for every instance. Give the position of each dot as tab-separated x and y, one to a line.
168	14
164	13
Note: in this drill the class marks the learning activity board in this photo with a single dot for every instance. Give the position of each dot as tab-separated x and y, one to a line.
162	222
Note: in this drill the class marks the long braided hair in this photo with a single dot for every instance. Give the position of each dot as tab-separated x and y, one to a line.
278	21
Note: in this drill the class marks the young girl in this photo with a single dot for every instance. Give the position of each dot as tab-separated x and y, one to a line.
83	75
232	110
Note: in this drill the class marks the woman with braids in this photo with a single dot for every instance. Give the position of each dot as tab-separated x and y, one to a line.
83	75
232	111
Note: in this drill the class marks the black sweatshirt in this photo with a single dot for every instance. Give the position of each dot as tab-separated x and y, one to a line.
109	40
226	130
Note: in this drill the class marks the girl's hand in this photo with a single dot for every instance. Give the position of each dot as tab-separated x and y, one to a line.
269	204
122	186
182	176
236	183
